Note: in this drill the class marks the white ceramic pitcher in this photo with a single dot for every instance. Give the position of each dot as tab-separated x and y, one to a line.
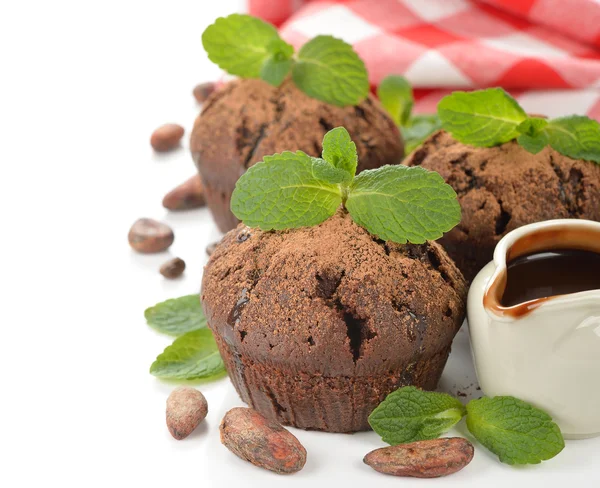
546	351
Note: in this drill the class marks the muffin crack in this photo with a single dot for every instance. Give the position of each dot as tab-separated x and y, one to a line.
570	189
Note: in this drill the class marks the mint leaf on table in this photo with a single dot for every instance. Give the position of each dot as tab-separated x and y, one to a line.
240	44
284	192
514	430
419	128
329	70
409	414
177	315
401	204
340	151
481	118
396	96
192	356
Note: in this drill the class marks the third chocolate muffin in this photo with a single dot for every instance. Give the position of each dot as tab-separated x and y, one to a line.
504	187
248	119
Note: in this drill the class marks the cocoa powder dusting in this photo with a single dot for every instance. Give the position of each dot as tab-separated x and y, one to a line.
505	187
249	119
317	325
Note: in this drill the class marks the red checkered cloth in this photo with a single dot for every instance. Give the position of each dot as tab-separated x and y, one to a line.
545	52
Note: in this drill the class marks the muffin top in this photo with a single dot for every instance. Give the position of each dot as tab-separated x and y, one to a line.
332	299
248	119
504	187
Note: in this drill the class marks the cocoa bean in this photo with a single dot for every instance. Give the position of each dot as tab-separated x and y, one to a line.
186	408
203	91
211	248
190	194
261	441
173	268
422	459
150	236
166	137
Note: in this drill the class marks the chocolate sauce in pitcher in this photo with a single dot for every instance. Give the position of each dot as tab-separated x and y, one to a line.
542	265
550	273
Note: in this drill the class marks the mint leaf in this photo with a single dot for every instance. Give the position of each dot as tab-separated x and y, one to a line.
328	69
533	137
285	191
340	151
401	204
177	315
532	126
278	65
481	118
396	96
328	173
576	136
240	44
514	430
419	128
192	356
409	414
274	71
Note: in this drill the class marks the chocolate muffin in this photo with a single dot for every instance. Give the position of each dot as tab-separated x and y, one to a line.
248	119
317	325
504	187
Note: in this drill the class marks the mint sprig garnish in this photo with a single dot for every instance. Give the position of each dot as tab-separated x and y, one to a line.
410	414
241	44
328	69
420	128
517	432
192	356
401	204
325	68
576	136
514	430
481	118
396	96
177	315
340	151
490	117
394	203
286	191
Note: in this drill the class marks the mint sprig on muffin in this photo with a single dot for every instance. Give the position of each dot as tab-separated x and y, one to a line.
396	96
395	203
325	68
486	118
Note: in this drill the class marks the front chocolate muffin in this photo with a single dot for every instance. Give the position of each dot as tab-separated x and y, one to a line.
248	119
317	325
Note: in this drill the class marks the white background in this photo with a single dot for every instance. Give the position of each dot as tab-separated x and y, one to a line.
82	86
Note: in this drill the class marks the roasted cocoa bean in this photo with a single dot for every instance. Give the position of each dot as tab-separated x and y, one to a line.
422	459
173	268
203	91
150	236
188	195
261	441
166	137
186	408
211	248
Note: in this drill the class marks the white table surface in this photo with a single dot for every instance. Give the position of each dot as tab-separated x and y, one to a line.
83	85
